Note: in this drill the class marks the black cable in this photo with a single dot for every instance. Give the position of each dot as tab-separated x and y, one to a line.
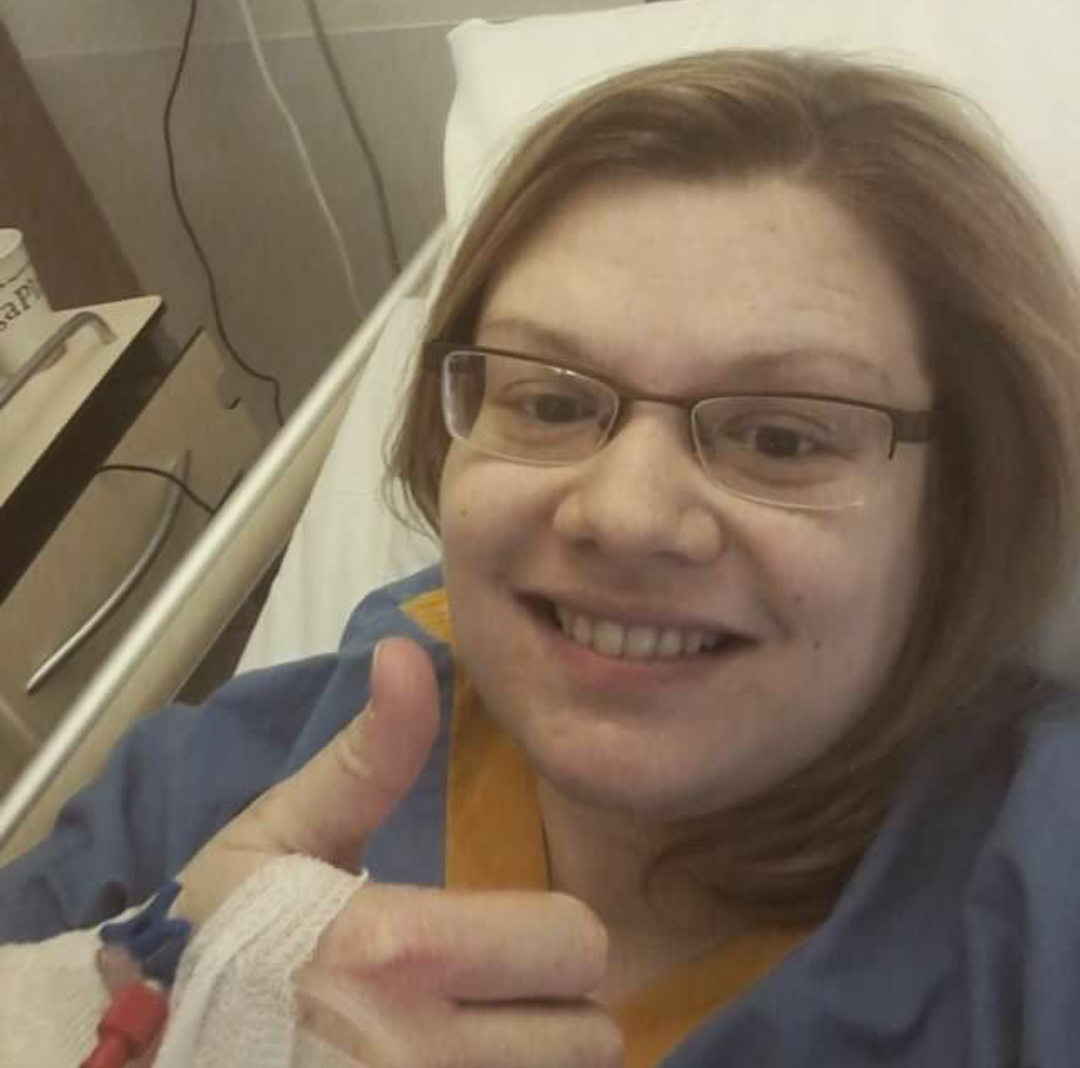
144	470
358	132
174	186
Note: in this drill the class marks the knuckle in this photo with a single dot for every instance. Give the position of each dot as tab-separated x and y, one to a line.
347	752
399	942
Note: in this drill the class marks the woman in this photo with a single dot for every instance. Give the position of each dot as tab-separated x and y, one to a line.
756	468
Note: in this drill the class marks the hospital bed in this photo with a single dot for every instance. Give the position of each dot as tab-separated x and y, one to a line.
317	486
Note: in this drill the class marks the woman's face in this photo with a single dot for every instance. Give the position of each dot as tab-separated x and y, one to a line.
681	289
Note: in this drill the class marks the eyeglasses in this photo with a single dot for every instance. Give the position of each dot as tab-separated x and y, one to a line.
792	450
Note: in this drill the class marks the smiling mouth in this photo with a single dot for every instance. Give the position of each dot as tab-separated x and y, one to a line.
635	642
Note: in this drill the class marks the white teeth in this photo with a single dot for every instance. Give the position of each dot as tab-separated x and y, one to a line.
640	643
670	644
564	618
582	630
608	638
634	643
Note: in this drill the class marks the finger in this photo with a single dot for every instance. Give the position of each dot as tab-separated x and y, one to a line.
375	1030
469	946
344	1018
580	1034
347	789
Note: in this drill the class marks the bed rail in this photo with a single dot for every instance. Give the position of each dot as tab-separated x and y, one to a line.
171	635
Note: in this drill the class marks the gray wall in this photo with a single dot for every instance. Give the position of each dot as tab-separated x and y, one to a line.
103	68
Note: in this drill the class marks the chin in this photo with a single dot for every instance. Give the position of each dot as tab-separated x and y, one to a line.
628	787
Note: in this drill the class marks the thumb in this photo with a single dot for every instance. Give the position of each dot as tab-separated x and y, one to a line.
346	790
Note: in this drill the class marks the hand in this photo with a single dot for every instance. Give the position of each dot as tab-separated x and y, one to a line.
344	792
406	977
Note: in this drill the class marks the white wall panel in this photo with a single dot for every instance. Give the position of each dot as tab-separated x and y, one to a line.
60	27
103	69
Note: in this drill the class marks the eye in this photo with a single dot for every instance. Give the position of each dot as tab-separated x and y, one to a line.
539	402
774	441
775	430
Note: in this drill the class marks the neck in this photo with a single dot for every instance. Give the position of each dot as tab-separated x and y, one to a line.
603	859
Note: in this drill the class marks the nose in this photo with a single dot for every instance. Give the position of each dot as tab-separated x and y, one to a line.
644	497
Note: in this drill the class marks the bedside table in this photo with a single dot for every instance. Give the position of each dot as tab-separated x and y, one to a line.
81	553
57	430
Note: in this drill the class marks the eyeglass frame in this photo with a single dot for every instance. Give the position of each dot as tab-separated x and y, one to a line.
908	427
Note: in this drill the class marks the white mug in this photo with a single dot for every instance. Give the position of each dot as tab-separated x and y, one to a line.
26	318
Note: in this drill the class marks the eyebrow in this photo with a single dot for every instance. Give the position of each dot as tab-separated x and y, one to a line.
569	347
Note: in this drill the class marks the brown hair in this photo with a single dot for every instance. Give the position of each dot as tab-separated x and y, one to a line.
1001	317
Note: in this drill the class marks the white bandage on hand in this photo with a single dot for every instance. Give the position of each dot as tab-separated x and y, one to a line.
233	1003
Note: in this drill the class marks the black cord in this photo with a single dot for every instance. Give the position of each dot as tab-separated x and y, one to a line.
358	132
174	186
142	469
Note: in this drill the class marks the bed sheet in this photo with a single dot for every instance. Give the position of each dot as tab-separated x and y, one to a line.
347	540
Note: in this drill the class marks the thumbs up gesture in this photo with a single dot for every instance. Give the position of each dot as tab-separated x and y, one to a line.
410	976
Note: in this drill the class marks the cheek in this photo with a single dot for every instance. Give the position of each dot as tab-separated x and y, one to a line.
486	507
452	502
465	510
849	589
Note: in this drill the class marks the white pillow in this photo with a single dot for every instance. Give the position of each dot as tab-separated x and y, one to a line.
1017	60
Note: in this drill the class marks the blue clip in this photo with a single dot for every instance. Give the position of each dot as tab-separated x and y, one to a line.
153	939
